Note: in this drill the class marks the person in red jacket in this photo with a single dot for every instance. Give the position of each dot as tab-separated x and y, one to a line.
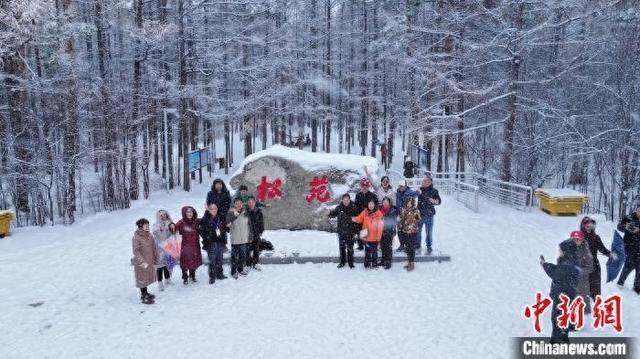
190	255
372	226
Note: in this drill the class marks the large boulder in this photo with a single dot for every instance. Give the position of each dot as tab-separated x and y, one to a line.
296	169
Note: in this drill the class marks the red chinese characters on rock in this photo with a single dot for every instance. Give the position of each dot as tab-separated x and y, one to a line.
318	190
571	312
608	313
536	310
266	190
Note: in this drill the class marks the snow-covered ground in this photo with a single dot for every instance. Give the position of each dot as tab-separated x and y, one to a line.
69	293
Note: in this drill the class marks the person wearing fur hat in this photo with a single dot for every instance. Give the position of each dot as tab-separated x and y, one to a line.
372	223
362	200
161	233
190	254
564	279
585	263
588	228
144	260
630	225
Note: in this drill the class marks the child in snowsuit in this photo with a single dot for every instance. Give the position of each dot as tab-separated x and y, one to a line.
564	279
408	230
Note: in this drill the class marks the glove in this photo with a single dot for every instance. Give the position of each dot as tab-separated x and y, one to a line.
613	256
144	265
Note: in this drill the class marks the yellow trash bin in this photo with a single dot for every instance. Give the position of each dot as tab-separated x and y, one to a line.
561	201
5	222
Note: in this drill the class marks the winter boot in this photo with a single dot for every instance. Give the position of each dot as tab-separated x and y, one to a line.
147	300
243	271
235	275
221	276
212	280
341	265
185	281
429	250
411	267
387	265
351	265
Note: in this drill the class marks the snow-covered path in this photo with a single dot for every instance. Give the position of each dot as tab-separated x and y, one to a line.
468	307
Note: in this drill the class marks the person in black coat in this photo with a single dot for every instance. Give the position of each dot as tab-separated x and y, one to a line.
219	195
390	220
630	225
256	228
362	200
588	228
346	228
212	229
564	279
428	198
409	167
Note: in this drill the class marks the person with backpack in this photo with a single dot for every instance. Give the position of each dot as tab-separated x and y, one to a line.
408	229
256	228
372	223
347	229
390	218
564	279
428	198
144	260
212	229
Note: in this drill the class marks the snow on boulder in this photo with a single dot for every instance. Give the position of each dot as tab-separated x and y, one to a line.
300	185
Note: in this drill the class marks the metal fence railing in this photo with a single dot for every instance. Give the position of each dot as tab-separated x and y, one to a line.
468	187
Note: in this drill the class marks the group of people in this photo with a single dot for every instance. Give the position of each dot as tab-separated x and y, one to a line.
578	273
239	218
378	213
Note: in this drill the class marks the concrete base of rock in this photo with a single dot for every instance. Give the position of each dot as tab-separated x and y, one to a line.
266	259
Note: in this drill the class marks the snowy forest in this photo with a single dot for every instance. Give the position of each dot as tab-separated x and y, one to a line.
96	94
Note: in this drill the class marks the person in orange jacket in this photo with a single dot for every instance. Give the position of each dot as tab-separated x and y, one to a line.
372	221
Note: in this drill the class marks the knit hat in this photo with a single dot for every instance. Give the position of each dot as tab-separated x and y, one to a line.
577	235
